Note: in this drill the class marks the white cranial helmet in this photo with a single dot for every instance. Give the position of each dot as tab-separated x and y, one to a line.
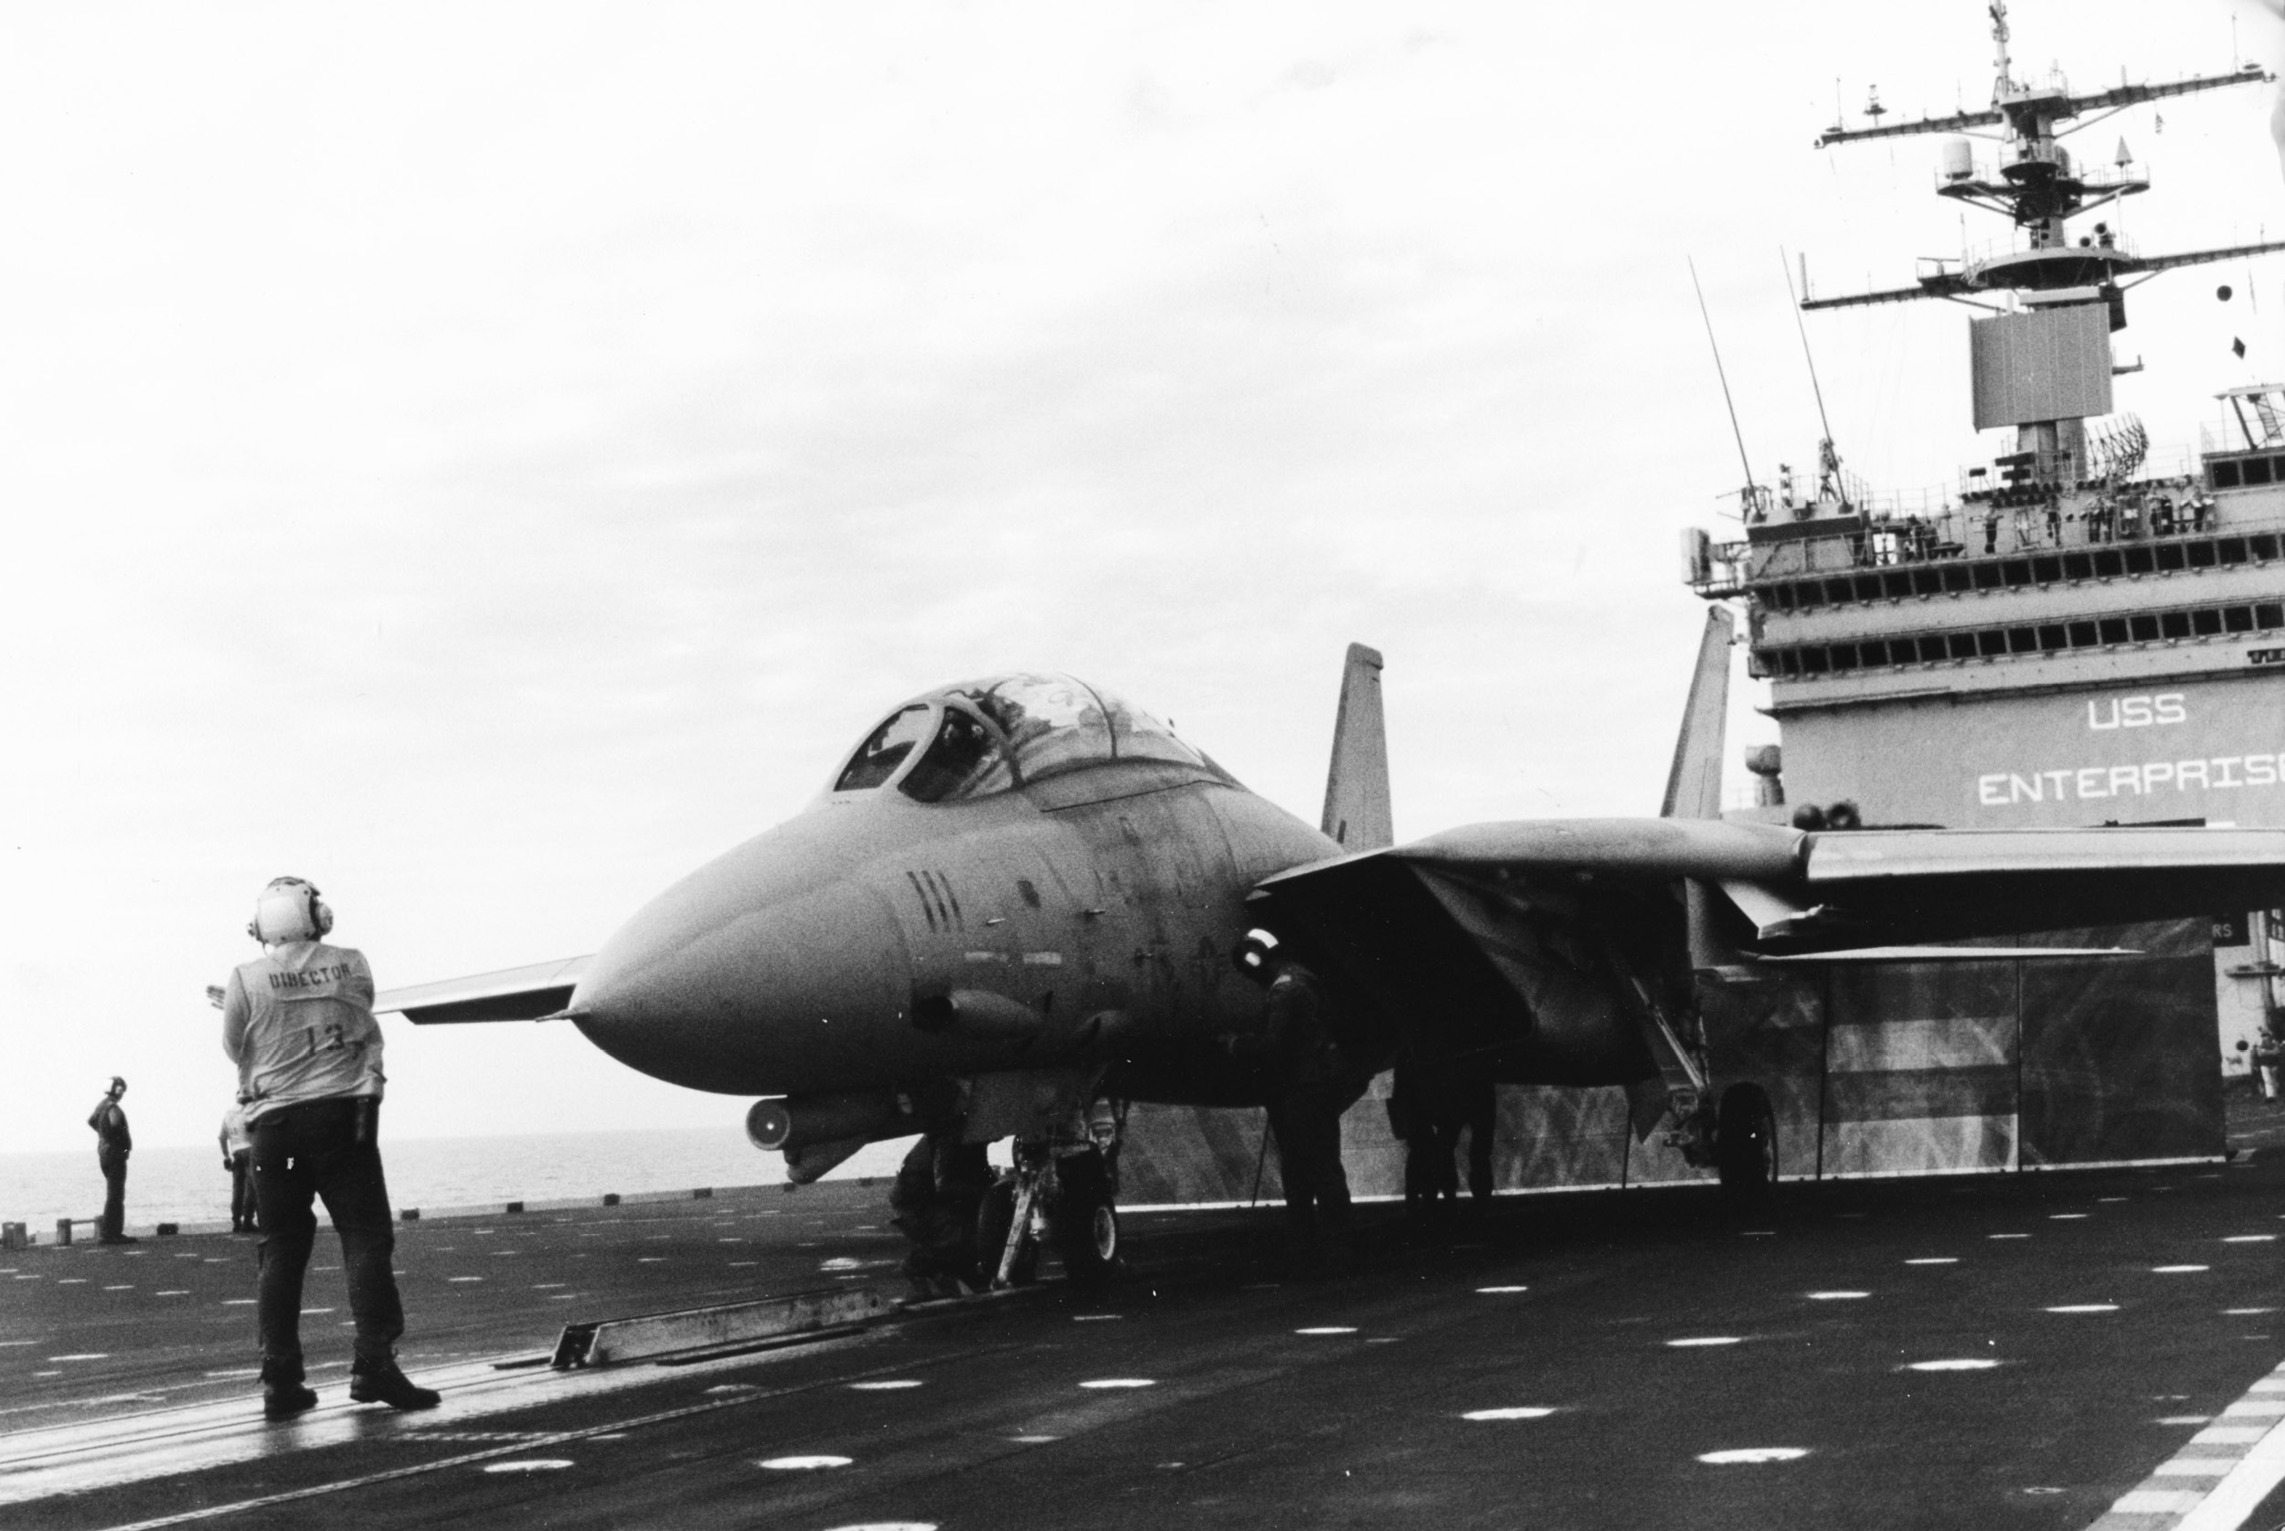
289	910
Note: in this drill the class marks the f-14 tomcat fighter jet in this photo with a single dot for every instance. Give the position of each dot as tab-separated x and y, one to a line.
1021	903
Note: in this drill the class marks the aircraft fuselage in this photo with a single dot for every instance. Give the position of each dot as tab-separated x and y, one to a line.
1085	920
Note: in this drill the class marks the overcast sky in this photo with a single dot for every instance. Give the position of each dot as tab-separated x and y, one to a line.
488	459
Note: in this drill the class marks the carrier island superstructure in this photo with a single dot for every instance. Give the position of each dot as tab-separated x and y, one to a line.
2086	628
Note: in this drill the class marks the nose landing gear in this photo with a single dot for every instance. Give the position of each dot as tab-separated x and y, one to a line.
1062	1196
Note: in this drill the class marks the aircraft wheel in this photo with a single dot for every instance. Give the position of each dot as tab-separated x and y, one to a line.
994	1215
1086	1221
1745	1146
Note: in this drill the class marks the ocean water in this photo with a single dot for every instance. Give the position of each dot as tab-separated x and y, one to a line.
187	1185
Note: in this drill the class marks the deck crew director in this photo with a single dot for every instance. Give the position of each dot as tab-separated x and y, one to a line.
298	1021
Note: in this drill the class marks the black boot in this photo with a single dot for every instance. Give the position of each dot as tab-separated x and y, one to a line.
283	1393
381	1382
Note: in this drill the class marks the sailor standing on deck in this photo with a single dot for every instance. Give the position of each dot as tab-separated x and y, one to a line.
298	1021
113	1143
237	1146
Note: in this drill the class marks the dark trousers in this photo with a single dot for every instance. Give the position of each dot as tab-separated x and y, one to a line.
242	1189
114	1165
1307	1127
933	1203
327	1149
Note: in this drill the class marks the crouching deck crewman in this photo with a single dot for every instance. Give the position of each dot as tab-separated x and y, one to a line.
298	1021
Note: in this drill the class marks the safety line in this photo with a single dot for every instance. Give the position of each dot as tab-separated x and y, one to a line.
535	1443
2221	1474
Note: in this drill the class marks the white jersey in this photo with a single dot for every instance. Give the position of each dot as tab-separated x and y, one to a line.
298	1021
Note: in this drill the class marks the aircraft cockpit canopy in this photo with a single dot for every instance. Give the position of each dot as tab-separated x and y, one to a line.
985	736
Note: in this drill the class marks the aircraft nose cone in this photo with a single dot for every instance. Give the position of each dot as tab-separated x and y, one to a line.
723	983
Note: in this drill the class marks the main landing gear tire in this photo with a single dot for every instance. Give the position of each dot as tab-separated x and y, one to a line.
1086	1222
1745	1147
994	1215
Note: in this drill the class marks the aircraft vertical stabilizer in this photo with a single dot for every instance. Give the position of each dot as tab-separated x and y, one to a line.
1356	789
1694	785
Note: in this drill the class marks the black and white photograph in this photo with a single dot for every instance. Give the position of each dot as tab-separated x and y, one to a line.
987	766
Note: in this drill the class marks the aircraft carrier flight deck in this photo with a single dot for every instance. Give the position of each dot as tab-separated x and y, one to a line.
2085	1348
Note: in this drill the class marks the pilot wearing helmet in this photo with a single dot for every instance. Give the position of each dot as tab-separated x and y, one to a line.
298	1021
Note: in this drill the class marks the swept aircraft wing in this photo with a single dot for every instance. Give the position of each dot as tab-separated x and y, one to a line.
536	992
1508	924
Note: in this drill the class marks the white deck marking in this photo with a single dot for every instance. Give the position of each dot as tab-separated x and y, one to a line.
2007	1235
2177	1270
528	1465
1705	1339
2067	1217
1954	1364
480	1391
2086	1307
1034	1440
803	1464
1517	1413
1327	1329
2244	1455
2246	1312
1754	1454
1500	1291
1935	1260
1835	1296
886	1385
1095	1318
1113	1382
85	1355
2251	1238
